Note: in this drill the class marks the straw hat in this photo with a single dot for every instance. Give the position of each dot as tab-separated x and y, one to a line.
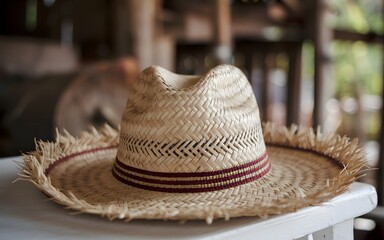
193	148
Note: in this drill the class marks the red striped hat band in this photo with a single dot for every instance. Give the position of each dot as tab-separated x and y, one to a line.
189	182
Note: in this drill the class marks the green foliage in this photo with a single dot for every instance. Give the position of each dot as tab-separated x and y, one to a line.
361	16
357	62
357	66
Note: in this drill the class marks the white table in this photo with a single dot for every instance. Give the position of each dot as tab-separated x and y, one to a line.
26	214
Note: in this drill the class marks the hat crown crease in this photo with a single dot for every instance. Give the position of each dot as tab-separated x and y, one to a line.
155	82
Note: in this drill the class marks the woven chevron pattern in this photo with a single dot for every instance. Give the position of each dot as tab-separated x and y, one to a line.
192	149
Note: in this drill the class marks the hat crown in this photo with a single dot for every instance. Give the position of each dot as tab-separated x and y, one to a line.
190	124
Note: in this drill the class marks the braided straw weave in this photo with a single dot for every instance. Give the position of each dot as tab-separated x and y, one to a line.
193	148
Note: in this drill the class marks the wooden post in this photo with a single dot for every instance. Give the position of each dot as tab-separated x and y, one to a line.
294	84
222	31
380	172
322	37
121	28
165	48
164	45
143	13
266	68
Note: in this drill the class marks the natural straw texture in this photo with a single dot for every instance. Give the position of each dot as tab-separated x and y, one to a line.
193	148
178	124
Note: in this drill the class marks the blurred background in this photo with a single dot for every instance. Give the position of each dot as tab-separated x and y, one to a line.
69	64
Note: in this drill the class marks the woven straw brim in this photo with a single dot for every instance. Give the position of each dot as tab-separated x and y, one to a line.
307	169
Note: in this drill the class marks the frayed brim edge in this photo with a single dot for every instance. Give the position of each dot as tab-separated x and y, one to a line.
340	148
